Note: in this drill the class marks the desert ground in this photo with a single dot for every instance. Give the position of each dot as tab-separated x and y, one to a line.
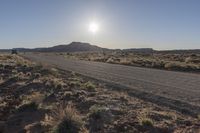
36	96
176	89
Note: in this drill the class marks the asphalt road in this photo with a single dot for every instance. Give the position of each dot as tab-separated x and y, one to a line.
174	89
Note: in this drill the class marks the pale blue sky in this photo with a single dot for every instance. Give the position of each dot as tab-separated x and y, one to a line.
159	24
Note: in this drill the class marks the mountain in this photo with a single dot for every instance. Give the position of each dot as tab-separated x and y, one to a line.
72	47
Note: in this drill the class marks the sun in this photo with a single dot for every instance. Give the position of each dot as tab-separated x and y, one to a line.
93	27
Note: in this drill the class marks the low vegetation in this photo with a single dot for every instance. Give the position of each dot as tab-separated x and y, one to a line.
90	86
169	61
64	119
98	118
147	122
35	99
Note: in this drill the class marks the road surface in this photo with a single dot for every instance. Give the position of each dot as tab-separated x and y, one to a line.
177	90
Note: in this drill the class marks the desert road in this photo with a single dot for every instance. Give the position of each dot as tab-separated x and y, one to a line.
177	90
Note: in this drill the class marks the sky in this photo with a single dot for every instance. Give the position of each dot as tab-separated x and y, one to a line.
158	24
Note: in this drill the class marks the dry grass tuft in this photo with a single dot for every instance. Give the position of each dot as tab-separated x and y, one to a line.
65	119
144	120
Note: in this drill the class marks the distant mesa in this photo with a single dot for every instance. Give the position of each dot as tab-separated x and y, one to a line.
139	50
72	47
75	47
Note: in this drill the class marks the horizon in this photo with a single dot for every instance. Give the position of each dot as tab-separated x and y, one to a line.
161	25
99	46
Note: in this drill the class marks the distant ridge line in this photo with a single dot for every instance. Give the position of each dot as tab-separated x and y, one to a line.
86	47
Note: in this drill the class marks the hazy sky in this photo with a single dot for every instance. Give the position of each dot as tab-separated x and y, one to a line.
160	24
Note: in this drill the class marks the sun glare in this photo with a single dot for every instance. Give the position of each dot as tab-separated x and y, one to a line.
93	27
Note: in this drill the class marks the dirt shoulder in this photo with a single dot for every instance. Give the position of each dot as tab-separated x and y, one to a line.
38	99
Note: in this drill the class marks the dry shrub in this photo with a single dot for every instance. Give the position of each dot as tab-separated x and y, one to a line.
181	66
198	117
36	97
20	61
188	60
54	82
74	83
1	80
21	76
64	119
28	74
172	65
98	117
73	73
5	57
37	75
54	72
125	61
110	60
90	86
192	59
